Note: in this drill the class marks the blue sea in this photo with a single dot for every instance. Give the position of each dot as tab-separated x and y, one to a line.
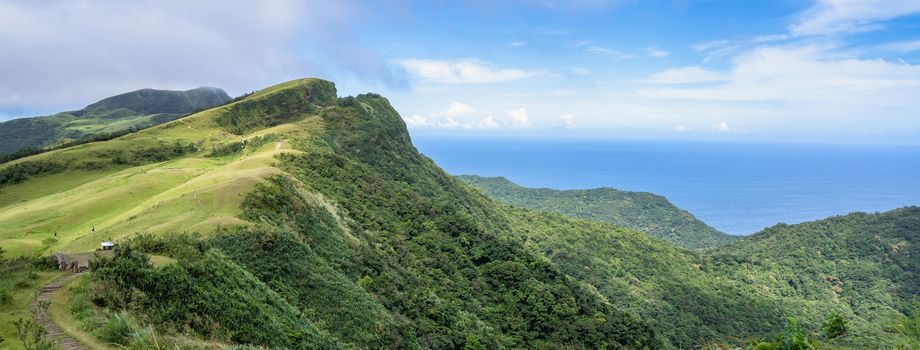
736	187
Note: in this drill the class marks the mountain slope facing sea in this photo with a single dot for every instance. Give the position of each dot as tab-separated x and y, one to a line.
641	211
132	110
294	218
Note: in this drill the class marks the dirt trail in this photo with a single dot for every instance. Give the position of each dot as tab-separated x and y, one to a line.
41	316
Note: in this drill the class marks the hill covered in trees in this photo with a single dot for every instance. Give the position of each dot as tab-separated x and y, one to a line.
641	211
132	110
317	214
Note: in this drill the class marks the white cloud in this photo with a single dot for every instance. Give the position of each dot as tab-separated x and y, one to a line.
568	120
851	16
105	48
681	128
902	46
518	118
686	75
655	52
724	127
416	121
593	49
462	71
517	43
449	123
457	116
808	74
709	45
484	123
457	109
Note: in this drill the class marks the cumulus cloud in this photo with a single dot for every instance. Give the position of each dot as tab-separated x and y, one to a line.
462	71
518	118
416	121
457	109
851	16
686	75
105	48
450	122
484	123
724	127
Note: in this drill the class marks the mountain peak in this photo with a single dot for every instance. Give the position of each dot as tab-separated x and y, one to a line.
151	101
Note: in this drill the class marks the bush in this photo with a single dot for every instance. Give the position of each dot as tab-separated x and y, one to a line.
118	329
20	172
6	296
834	326
793	337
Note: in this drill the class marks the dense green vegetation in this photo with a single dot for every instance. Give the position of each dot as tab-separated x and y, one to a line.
863	266
283	106
111	116
344	236
641	211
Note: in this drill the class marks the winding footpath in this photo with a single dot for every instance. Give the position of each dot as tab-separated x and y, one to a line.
41	316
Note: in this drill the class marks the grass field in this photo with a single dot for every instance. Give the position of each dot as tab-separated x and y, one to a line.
18	308
95	199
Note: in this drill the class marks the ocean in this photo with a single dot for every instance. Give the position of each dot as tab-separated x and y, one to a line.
736	187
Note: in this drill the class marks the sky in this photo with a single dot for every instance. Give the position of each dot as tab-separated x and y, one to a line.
838	71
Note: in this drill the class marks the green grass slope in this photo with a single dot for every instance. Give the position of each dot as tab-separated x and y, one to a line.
133	110
317	214
318	200
636	210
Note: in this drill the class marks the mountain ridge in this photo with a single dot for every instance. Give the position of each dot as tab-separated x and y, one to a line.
128	111
643	211
317	212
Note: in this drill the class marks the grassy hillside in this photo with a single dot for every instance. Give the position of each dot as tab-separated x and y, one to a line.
316	200
317	214
133	110
636	210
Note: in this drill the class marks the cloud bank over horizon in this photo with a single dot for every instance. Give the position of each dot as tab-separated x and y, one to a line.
825	70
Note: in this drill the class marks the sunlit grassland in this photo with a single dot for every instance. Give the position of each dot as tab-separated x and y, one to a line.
72	211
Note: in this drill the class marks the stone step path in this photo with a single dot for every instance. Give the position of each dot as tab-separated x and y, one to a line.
41	316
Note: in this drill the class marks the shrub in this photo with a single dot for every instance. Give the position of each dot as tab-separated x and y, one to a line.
20	172
834	326
6	296
118	329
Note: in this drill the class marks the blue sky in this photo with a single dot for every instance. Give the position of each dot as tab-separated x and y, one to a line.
798	71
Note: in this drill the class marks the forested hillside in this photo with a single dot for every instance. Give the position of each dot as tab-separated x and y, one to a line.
293	218
132	110
641	211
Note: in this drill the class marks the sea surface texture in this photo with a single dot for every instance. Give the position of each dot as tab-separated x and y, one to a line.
736	187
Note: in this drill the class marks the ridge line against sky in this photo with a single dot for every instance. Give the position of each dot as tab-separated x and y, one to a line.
825	70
